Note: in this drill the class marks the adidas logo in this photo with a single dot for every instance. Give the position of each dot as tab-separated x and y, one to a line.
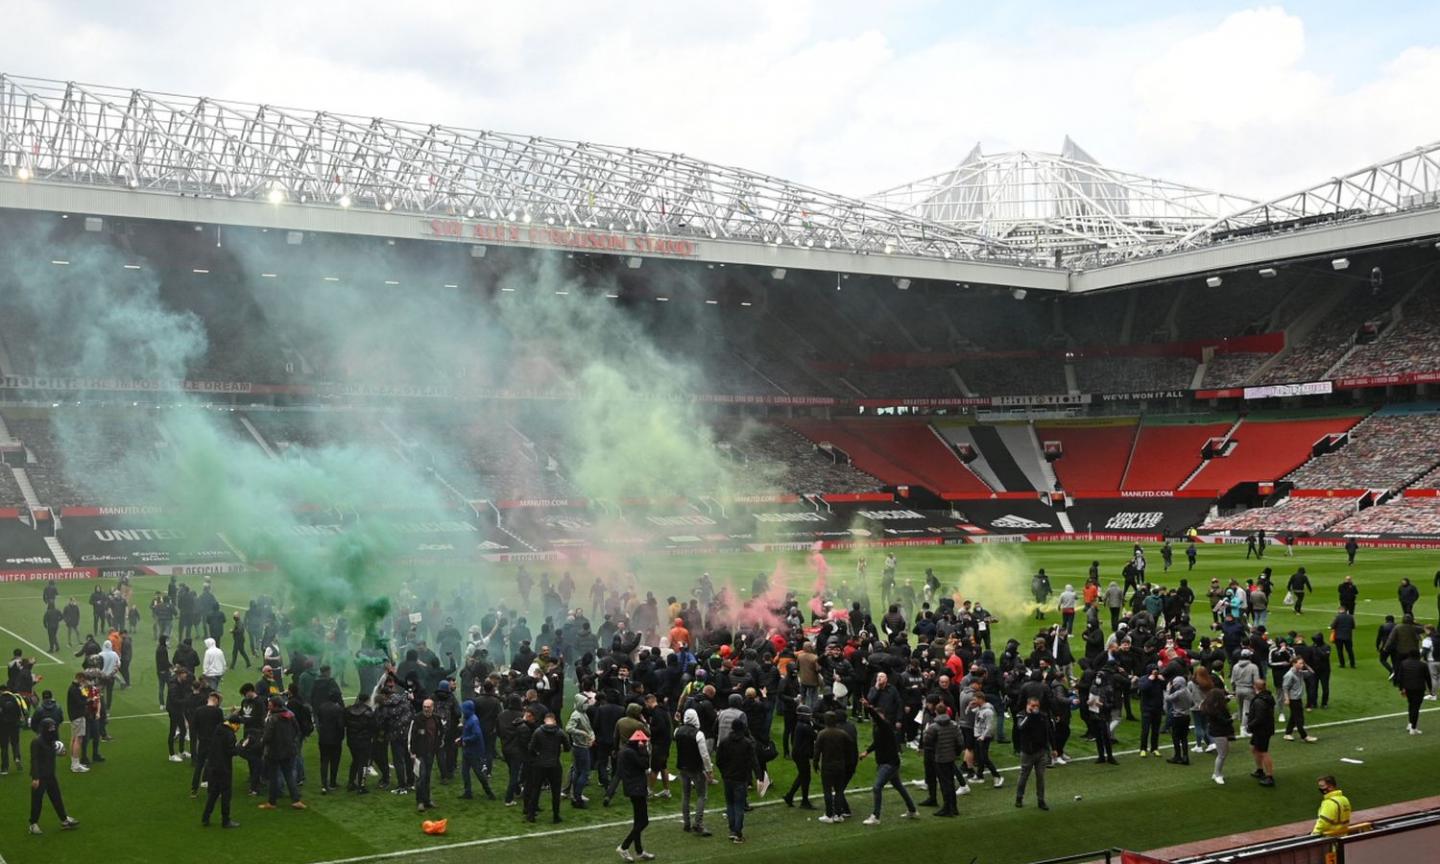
1013	521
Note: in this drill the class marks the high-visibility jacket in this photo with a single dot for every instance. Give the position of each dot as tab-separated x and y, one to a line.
1334	817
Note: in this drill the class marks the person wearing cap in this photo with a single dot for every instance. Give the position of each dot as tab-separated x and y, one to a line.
632	771
44	748
219	776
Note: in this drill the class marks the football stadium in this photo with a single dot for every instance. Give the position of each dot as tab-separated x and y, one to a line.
348	464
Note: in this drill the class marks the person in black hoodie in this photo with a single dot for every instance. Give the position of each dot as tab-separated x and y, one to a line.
802	750
44	748
546	744
360	730
739	768
885	745
202	733
514	739
219	773
281	744
631	766
330	727
605	713
1260	723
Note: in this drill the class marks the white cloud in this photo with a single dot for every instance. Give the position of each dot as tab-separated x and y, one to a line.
842	96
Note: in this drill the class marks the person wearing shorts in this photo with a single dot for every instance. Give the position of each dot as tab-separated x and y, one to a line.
1261	725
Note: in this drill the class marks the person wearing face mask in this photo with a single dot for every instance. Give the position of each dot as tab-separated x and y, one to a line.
1334	817
44	748
632	769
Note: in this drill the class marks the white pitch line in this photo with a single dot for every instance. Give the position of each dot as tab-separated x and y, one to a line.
137	716
490	841
32	644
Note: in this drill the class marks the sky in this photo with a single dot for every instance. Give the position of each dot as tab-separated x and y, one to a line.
850	97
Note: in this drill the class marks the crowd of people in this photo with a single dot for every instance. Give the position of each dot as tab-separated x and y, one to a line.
666	698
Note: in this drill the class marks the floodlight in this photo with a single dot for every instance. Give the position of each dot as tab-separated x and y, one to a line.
345	201
275	196
634	262
902	284
778	273
1267	272
1340	263
22	173
1214	282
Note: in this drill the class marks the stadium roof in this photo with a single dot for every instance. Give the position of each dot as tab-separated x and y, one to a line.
1052	222
1062	204
63	132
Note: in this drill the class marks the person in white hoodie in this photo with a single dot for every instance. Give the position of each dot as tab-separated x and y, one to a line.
212	665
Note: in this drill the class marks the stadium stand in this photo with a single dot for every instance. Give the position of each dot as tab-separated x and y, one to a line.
1168	449
1387	450
1401	516
1094	319
10	495
918	381
1411	345
896	452
1122	374
1232	370
78	461
1300	515
1431	480
1243	304
1152	308
1095	456
1267	447
805	468
1015	375
1323	347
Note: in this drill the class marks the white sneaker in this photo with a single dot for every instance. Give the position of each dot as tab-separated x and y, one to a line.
963	791
35	829
186	754
828	820
1289	737
176	757
1219	781
872	819
1211	748
910	814
624	854
999	781
1429	697
204	784
1311	739
79	769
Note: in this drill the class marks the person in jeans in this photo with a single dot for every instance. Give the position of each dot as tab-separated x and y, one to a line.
739	767
582	738
985	726
280	743
886	747
1293	686
692	760
1035	734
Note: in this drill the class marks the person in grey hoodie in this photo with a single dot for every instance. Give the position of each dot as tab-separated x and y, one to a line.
582	738
1243	676
1178	704
692	761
